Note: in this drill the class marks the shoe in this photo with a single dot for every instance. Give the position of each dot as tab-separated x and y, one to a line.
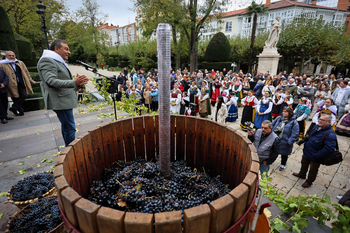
20	111
282	167
306	185
9	118
12	109
339	197
297	175
3	121
21	114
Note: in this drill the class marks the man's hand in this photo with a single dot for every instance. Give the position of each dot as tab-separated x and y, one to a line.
264	163
81	80
2	85
250	133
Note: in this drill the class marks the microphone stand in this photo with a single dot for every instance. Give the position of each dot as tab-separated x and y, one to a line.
94	70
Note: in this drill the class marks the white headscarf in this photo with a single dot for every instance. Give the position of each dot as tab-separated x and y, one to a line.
53	55
8	61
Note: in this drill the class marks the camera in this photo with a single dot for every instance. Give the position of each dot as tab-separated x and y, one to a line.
302	141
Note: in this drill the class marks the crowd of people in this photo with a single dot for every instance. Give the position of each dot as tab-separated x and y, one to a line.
275	108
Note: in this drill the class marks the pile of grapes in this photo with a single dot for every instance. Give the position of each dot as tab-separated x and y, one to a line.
137	187
42	216
32	187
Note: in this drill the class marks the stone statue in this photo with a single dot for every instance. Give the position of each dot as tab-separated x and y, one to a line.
271	42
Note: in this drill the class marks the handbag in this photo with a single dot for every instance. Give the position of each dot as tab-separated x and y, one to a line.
334	157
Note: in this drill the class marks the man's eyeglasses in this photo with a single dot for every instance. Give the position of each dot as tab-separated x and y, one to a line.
322	120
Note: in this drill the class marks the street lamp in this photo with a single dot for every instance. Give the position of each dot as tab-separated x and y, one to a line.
41	12
117	45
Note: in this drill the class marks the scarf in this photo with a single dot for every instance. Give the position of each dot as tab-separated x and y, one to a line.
53	55
6	61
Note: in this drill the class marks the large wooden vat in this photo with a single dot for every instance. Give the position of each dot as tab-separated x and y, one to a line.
202	143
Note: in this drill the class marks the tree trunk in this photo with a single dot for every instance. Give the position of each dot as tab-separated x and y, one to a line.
301	66
193	51
252	41
177	57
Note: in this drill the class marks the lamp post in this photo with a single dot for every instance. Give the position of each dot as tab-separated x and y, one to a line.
41	12
117	45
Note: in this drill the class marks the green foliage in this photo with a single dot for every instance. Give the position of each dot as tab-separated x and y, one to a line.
218	49
35	76
300	206
32	69
7	41
25	49
100	59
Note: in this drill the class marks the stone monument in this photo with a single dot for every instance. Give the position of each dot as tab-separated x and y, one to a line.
268	59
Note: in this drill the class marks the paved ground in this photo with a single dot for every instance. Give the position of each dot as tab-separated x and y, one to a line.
37	134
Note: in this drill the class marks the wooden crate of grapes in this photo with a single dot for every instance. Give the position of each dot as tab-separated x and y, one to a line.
106	181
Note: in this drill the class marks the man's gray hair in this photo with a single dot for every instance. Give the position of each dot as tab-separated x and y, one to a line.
268	123
57	43
328	116
10	52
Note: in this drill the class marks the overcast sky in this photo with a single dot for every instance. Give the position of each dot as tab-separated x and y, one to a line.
119	11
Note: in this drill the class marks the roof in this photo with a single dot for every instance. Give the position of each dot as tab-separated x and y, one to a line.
289	3
106	26
279	5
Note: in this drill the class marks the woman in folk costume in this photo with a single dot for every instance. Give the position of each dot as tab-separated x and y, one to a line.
263	110
237	88
175	99
204	101
216	91
321	94
288	100
248	111
184	105
324	107
193	93
245	87
343	126
269	88
277	101
225	93
220	111
302	111
232	108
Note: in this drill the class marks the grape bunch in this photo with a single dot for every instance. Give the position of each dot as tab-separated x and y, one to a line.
40	217
32	187
137	186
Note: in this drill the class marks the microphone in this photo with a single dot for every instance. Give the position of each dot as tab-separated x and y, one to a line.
87	66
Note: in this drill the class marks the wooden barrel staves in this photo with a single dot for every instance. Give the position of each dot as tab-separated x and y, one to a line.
202	143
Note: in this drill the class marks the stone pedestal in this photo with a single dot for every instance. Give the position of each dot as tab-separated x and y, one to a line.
268	61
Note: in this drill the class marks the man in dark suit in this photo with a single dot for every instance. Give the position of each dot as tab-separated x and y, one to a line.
59	87
4	82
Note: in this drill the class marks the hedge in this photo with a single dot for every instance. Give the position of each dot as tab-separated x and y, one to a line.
219	49
216	65
25	48
32	69
32	105
8	41
35	76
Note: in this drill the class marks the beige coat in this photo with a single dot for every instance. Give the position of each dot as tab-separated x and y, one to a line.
12	87
147	96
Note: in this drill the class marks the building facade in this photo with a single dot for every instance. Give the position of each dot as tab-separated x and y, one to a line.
119	35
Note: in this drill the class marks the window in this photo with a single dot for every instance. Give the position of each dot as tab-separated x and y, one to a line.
228	27
337	20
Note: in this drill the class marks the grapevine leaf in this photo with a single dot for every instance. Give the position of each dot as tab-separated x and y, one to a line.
44	160
20	164
57	154
328	199
61	146
53	168
293	205
38	165
22	171
49	160
296	229
3	194
138	187
37	132
122	203
28	157
1	215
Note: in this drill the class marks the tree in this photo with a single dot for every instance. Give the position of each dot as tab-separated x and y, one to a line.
25	21
7	41
308	39
255	10
188	15
218	49
91	15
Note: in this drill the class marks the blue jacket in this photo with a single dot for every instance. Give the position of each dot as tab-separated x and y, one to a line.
4	79
154	94
290	134
258	88
313	149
